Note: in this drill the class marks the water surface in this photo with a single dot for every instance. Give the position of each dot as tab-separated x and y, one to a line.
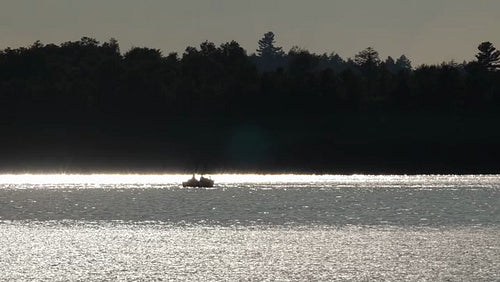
250	227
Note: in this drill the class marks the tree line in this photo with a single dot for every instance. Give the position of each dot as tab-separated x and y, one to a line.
219	107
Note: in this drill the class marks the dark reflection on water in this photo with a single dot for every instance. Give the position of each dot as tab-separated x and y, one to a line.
271	204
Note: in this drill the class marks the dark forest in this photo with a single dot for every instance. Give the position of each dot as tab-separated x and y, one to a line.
85	106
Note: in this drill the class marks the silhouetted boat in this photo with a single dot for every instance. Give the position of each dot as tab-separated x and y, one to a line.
203	182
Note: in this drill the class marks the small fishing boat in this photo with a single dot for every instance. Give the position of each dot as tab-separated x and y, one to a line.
203	182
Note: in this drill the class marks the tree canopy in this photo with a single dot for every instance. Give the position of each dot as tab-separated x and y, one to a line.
84	101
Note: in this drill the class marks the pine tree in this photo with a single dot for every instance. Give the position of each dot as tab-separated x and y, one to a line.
267	48
488	57
390	65
403	63
367	58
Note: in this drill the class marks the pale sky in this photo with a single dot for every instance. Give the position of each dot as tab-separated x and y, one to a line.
427	31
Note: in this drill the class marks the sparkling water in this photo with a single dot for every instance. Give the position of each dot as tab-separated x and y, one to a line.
250	227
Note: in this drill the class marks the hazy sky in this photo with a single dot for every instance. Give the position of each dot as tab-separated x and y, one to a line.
427	31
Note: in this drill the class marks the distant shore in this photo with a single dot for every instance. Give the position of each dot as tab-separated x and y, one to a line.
85	106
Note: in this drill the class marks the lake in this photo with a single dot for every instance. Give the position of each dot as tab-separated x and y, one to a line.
250	227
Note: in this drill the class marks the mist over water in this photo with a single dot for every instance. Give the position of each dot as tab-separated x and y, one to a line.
250	227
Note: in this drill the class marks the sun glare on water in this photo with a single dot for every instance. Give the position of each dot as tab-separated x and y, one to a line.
169	178
173	179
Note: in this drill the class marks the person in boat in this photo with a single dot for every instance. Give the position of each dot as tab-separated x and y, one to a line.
203	182
191	182
206	182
